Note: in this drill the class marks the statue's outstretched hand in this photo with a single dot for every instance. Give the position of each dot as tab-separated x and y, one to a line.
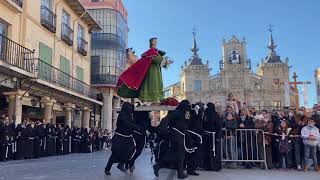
166	62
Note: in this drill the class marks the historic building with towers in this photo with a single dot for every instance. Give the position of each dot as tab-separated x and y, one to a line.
264	89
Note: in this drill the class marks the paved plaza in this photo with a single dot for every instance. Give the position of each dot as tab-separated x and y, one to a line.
91	166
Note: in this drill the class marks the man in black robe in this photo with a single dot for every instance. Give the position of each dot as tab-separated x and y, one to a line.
28	135
178	123
50	140
59	141
76	140
19	142
142	119
66	133
211	151
194	140
6	135
123	144
85	141
41	134
37	143
162	138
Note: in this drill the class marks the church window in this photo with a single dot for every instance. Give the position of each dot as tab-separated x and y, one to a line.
197	85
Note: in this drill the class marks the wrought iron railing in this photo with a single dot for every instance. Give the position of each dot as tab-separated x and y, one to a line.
82	46
48	19
16	55
67	34
55	76
18	2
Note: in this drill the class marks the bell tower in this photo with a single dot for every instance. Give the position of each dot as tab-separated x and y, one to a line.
235	68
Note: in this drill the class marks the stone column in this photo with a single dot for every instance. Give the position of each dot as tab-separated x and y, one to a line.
48	108
68	107
85	117
15	105
107	109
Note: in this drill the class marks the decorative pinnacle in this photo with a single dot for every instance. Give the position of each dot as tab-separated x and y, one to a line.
195	48
272	46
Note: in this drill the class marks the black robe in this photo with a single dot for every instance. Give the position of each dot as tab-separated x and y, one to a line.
194	141
178	125
86	146
76	140
142	119
7	143
66	141
50	140
19	143
28	135
211	153
123	144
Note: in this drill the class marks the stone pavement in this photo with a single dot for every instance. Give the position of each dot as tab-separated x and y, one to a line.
91	166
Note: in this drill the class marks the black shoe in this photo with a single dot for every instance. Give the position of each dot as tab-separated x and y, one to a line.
107	172
182	175
156	169
192	173
121	167
132	168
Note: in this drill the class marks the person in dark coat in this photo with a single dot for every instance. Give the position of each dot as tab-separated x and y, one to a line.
123	144
66	133
50	140
28	135
194	139
59	141
76	140
178	123
86	146
142	119
162	138
212	139
6	135
42	135
20	142
37	142
245	138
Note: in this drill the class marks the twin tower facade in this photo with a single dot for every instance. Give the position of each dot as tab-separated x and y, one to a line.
265	89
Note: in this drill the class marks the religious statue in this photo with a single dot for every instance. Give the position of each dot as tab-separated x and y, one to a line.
143	79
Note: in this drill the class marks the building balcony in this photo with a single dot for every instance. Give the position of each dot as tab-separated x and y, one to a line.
15	5
16	55
67	34
57	77
18	2
82	46
48	19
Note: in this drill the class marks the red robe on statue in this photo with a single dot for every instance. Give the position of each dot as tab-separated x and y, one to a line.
134	75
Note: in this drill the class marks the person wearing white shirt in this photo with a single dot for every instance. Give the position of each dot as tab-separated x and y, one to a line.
310	136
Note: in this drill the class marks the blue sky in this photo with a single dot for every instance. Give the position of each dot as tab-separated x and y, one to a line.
296	31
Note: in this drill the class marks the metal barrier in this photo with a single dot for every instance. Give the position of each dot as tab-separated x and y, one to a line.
243	145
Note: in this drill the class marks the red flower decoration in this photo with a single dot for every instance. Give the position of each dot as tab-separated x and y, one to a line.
170	102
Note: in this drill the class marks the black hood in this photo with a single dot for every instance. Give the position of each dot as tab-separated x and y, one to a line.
184	106
127	108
